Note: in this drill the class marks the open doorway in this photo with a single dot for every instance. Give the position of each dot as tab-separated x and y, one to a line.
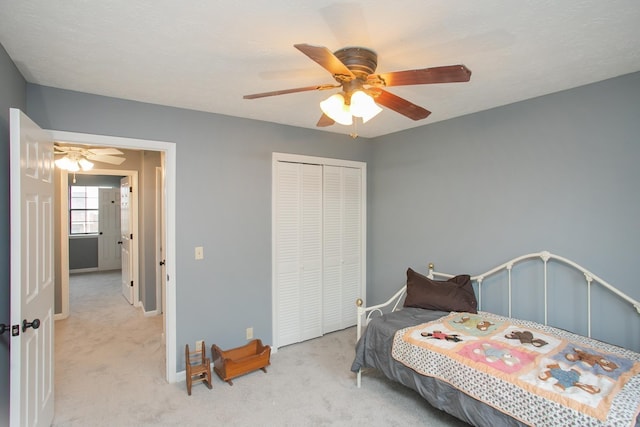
167	169
129	267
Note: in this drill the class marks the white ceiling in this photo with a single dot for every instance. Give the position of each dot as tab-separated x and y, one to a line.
206	54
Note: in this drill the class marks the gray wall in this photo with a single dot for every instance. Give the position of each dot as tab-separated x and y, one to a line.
559	172
12	94
112	181
83	252
147	231
223	200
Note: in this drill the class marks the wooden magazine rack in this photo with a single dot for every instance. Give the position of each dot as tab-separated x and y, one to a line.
229	364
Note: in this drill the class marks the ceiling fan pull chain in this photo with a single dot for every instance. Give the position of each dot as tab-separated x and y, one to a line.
354	134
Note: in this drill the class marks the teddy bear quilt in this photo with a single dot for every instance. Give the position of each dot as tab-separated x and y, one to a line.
537	374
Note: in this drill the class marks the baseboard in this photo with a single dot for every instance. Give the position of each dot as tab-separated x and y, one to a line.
149	313
146	313
60	316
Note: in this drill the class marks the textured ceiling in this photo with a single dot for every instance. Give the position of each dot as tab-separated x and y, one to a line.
205	55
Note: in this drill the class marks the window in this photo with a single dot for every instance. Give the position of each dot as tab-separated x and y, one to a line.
83	210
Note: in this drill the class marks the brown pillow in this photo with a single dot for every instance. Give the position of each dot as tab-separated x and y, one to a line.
455	294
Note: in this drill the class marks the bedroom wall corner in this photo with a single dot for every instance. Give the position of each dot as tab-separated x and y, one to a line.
556	173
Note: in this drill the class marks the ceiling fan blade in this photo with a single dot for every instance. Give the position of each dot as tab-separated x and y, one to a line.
106	158
105	151
285	91
325	121
66	148
399	105
326	59
446	74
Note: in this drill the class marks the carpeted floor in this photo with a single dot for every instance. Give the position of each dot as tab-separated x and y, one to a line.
110	372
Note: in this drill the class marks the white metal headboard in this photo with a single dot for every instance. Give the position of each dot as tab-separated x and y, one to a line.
365	313
393	303
545	256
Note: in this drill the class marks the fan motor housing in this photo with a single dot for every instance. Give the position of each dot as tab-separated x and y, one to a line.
360	60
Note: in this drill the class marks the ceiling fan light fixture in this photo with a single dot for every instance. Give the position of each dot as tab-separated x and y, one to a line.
73	166
73	163
336	109
67	164
363	105
85	164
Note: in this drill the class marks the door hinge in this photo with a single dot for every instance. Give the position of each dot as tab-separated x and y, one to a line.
131	236
132	283
130	189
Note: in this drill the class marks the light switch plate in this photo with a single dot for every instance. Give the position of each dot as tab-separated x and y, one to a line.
199	252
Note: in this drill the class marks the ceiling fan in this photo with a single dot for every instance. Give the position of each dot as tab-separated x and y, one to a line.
353	68
76	158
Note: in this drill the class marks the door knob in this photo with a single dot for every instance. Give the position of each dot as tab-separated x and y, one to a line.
120	242
26	325
162	262
4	328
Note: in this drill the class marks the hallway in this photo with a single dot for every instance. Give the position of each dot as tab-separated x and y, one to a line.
104	347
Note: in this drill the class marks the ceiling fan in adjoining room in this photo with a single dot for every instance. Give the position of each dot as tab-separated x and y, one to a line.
75	159
353	69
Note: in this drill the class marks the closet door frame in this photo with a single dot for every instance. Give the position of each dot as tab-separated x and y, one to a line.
324	161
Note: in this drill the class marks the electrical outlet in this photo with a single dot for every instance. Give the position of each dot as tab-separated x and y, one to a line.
199	345
249	333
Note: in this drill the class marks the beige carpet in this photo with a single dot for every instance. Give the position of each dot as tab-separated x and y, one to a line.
110	372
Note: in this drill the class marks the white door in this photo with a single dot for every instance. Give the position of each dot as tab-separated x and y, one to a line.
298	253
32	281
342	248
109	256
351	244
125	239
160	244
319	236
332	249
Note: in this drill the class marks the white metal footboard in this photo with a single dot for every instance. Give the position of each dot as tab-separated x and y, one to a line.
364	314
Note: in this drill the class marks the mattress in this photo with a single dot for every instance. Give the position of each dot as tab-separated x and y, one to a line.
374	350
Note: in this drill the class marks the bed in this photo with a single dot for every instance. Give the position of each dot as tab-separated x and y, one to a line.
495	370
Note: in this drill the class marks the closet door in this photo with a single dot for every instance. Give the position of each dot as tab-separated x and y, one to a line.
342	246
298	246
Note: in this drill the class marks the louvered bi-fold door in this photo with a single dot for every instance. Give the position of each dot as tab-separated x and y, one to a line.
342	241
298	248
